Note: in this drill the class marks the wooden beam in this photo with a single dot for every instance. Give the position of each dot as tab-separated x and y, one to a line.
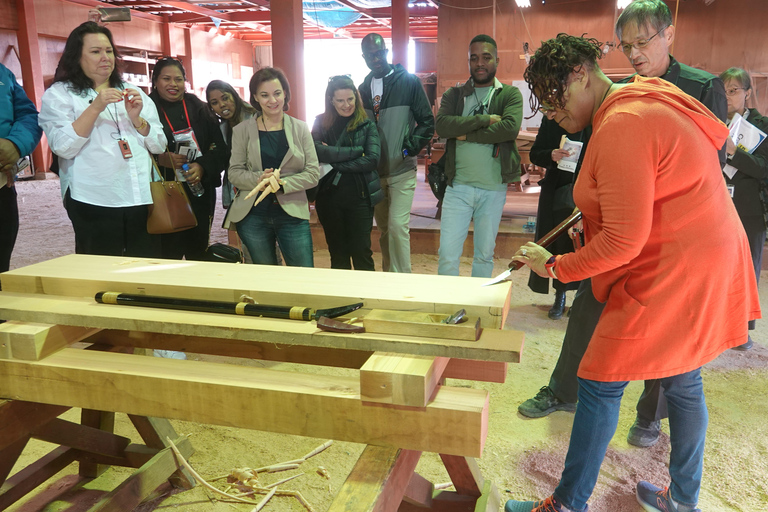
18	418
493	345
443	501
419	491
465	474
288	49
155	432
143	482
102	420
378	481
20	484
400	32
388	378
8	457
32	341
81	275
82	437
455	422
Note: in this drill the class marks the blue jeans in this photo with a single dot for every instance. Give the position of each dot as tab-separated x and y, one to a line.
597	415
462	204
262	226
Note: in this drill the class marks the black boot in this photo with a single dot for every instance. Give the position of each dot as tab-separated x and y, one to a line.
556	313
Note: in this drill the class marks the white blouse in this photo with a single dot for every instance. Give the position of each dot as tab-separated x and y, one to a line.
93	168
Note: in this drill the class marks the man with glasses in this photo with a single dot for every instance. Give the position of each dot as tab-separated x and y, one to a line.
645	32
395	100
481	120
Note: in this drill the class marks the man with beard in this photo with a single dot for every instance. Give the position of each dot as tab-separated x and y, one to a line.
481	120
395	100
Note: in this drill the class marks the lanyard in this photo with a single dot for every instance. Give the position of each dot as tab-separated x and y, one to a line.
186	114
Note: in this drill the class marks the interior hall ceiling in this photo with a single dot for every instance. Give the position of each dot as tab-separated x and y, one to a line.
250	20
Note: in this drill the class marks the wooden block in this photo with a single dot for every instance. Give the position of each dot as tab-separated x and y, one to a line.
5	348
140	484
419	491
81	275
17	486
99	419
465	474
32	342
483	371
378	481
455	421
388	378
416	323
497	346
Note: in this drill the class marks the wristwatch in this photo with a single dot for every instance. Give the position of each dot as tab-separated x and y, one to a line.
550	266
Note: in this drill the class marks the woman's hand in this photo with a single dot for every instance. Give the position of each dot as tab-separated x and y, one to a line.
535	256
107	97
195	173
172	160
730	146
133	106
559	154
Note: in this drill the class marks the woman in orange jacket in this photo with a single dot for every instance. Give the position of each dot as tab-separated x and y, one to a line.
665	251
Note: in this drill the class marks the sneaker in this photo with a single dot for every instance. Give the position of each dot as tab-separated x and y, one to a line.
656	499
644	433
548	505
544	403
745	346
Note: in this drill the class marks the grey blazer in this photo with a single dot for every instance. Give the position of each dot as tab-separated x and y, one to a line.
299	169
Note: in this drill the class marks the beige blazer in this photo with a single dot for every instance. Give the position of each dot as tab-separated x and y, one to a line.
299	169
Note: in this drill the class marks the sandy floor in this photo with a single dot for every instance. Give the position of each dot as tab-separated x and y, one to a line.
523	457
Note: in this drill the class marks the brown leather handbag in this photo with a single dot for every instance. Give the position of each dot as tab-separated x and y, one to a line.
170	210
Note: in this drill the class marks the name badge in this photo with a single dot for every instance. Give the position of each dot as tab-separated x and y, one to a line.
730	190
125	149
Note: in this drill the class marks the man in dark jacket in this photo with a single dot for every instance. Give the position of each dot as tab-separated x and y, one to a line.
395	100
481	120
19	135
646	32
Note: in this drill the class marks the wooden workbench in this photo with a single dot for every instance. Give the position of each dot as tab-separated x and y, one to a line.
398	404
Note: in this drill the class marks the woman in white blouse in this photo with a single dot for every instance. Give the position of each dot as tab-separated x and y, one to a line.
103	131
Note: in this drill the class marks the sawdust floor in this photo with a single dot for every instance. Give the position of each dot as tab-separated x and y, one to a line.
523	457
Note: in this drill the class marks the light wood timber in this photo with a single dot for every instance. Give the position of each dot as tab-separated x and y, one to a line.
493	345
81	275
155	432
455	422
82	437
32	341
417	323
483	371
18	485
388	378
19	418
419	491
378	481
490	501
141	483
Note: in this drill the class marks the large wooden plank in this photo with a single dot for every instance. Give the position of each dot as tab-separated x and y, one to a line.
454	422
32	341
81	275
400	379
493	345
378	481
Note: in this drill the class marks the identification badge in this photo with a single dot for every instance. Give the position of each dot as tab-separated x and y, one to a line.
730	190
125	149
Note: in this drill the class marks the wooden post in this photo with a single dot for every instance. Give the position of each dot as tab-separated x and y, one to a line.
186	59
165	35
400	32
32	73
288	50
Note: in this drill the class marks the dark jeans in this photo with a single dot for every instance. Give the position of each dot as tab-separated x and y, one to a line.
192	243
595	424
347	219
585	313
111	231
9	225
263	226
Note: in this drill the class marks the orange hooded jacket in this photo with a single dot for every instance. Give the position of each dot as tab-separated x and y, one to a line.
665	247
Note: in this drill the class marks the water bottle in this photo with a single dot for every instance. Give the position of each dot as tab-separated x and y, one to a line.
197	189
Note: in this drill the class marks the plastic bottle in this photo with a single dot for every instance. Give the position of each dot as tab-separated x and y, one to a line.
197	189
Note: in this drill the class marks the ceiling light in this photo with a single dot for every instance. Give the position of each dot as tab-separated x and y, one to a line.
622	3
523	3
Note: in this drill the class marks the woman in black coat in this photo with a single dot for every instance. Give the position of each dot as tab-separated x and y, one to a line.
555	202
347	142
184	116
746	174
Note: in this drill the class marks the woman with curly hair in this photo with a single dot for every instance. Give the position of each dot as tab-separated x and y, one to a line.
657	221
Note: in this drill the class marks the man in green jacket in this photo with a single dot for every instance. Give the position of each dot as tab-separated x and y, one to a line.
481	120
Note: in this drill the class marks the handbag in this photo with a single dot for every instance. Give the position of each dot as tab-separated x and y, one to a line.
438	182
224	253
170	210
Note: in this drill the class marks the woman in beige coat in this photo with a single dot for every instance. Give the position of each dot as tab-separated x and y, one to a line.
273	148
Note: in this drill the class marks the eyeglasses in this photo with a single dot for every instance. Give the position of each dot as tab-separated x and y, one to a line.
640	44
733	90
